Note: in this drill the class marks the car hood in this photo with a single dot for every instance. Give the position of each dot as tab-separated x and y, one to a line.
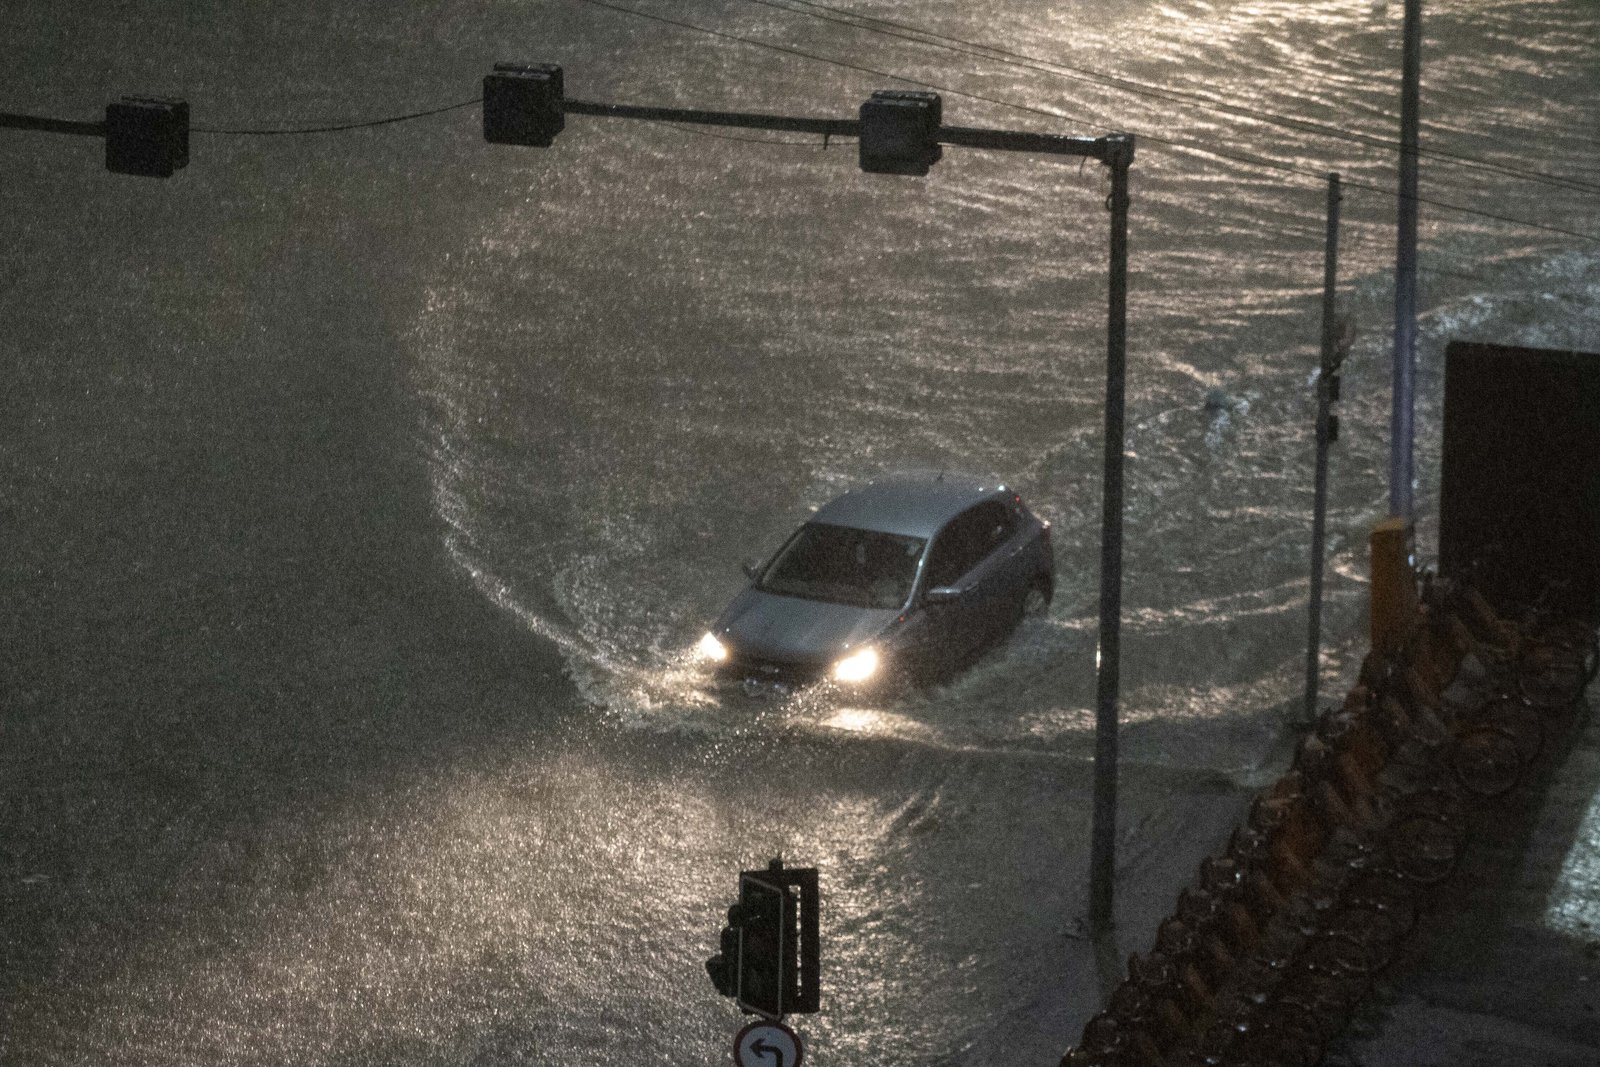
794	630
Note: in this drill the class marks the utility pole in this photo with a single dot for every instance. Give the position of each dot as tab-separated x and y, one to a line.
1401	431
1108	653
1327	433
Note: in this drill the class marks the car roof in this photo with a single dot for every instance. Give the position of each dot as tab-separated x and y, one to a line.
909	506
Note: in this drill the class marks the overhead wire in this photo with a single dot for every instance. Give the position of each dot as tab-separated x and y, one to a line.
997	54
1233	156
1188	146
1431	202
290	131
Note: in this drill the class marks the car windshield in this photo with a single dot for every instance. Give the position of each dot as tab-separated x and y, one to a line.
843	565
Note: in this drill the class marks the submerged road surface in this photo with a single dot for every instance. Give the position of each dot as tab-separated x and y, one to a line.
363	493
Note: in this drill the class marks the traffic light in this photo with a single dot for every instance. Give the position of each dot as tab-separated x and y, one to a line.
147	136
768	931
522	104
900	132
770	948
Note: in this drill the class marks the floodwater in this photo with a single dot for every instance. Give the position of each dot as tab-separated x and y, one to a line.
365	492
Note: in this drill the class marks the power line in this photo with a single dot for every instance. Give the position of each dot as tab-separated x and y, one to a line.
291	131
1210	150
996	54
1201	100
786	50
1248	160
1475	211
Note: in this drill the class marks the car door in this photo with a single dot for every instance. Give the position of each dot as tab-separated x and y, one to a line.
966	557
992	578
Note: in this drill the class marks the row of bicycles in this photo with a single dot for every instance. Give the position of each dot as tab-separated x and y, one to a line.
1281	935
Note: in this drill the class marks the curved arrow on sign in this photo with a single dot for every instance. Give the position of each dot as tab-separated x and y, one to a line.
768	1044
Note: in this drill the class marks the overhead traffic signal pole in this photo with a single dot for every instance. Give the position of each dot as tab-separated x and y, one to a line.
43	124
900	133
144	135
1108	653
1402	418
545	98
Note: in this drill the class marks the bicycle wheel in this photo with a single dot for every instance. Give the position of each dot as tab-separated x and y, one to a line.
1425	850
1486	762
1520	721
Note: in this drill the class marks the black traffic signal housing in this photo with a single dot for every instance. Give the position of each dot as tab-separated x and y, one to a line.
147	136
522	104
768	931
769	951
900	132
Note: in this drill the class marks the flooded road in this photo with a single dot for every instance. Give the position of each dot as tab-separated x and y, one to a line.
366	492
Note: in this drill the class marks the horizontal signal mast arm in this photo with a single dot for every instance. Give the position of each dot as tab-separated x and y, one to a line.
1057	144
744	119
1101	148
44	125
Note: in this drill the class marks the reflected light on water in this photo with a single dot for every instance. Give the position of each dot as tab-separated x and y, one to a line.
856	720
880	723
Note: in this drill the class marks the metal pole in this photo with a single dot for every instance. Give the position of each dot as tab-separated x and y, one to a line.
1405	271
1325	397
1103	843
12	121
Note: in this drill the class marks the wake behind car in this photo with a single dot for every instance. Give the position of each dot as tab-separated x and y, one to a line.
907	577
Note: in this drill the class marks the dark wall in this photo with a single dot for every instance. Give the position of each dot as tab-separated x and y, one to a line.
1520	493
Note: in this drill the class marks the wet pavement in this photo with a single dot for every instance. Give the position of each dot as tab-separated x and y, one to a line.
1505	968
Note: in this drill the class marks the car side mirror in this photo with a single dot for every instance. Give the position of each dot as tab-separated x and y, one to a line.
942	594
751	569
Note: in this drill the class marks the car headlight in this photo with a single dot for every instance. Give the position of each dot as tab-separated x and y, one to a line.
858	666
712	649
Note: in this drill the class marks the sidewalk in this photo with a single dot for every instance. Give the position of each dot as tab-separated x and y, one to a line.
1505	968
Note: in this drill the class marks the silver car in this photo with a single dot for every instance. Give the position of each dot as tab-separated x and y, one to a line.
906	578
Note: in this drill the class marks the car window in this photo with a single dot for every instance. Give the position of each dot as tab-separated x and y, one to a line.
844	565
966	540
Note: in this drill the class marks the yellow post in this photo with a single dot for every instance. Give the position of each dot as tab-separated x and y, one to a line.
1394	585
